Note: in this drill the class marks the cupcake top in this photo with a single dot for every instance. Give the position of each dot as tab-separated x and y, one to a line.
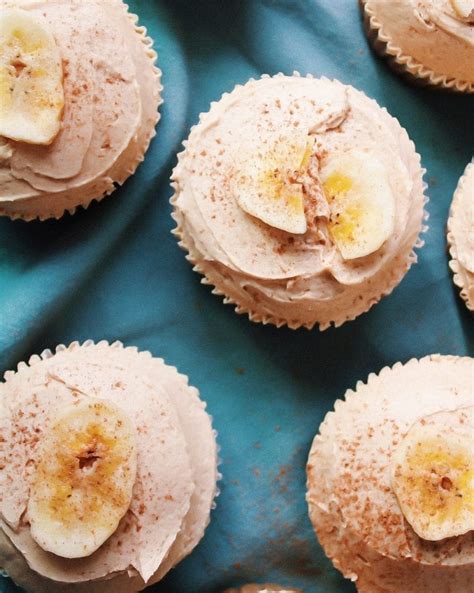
110	468
391	471
461	236
436	34
90	74
299	185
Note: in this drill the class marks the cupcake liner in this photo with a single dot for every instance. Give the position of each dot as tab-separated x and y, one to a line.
245	305
460	274
404	64
60	203
121	582
144	139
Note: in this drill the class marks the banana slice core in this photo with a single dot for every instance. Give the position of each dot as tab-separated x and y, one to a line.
433	475
31	79
83	480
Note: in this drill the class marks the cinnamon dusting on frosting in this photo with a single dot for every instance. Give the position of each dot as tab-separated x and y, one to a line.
353	506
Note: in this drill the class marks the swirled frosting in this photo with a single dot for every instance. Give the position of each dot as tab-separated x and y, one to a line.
352	502
112	92
274	275
176	467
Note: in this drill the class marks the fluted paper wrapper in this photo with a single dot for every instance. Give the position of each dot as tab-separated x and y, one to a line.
119	583
462	278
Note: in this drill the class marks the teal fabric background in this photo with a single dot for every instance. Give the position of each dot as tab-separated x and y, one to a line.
115	272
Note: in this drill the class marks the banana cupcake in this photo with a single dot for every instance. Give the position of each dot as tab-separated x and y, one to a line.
300	200
391	479
263	589
80	94
461	236
108	470
429	41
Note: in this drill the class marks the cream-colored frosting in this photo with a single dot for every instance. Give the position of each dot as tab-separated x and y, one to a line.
352	504
461	236
112	93
273	275
176	476
428	37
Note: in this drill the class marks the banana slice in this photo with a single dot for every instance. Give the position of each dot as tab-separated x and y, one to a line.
31	79
83	482
267	186
361	202
433	475
464	9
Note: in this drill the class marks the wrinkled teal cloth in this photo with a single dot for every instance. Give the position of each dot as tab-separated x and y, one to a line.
116	272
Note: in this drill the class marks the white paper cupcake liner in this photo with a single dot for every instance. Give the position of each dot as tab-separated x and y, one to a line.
403	63
247	307
61	203
103	585
460	274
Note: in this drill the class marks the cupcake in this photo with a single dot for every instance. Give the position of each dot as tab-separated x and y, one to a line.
461	236
300	200
429	41
263	589
109	462
390	479
79	103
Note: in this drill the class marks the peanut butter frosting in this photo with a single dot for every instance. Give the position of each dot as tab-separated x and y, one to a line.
112	94
273	275
430	39
351	496
176	466
461	236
